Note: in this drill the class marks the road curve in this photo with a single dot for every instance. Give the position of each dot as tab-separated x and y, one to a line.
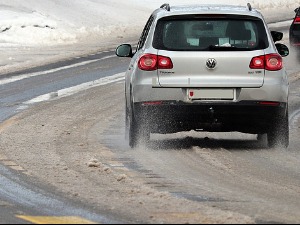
73	151
19	193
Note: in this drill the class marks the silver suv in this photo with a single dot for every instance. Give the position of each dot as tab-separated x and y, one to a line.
207	68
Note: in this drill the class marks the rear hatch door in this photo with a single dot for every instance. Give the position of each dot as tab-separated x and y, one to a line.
211	50
211	69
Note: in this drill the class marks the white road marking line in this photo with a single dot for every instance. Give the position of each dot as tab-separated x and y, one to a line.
75	89
25	76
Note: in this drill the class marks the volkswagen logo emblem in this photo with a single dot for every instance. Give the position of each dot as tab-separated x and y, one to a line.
211	64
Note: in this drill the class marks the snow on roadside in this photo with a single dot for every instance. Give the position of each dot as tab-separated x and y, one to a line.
50	22
34	30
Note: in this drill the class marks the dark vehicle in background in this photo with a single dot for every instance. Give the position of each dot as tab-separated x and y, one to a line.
295	31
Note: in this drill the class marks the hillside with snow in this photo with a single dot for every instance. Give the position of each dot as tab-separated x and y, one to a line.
55	28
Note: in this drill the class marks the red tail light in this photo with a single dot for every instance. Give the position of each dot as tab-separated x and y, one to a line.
270	103
274	62
148	62
152	103
297	20
258	62
271	62
164	62
151	62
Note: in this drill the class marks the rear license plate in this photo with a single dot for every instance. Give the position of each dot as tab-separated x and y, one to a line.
211	94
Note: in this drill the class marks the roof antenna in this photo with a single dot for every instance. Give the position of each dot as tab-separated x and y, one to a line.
166	6
249	7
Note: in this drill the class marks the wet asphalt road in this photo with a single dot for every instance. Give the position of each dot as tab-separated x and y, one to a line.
229	171
14	94
232	172
18	195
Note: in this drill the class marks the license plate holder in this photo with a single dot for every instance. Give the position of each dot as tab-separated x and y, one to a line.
221	94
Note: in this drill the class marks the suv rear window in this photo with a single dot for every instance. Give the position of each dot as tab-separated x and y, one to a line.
210	34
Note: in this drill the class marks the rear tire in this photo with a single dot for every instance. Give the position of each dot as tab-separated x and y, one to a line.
132	135
127	122
138	132
279	135
262	139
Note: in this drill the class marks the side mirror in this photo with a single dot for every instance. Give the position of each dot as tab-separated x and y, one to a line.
283	50
296	10
124	50
277	36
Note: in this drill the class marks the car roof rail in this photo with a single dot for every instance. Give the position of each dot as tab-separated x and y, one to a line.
249	6
166	6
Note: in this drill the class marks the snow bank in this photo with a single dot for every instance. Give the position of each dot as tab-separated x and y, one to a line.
51	22
37	32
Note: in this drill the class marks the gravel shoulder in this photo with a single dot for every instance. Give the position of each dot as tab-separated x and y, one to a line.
56	143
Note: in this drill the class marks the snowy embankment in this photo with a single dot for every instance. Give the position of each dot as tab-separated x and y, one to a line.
34	31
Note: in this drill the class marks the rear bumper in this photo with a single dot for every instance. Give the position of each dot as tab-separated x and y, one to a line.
247	116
